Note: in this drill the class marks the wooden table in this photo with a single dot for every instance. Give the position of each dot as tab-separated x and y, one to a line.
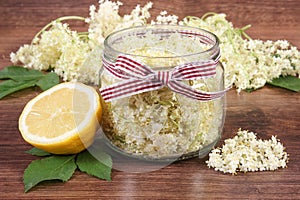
268	111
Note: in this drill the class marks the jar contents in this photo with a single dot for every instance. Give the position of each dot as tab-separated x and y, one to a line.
162	123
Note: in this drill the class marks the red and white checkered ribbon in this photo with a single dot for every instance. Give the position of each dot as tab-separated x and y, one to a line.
139	78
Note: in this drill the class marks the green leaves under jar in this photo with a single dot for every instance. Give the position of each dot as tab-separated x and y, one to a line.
62	167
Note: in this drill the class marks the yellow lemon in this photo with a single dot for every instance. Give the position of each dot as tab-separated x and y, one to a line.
63	119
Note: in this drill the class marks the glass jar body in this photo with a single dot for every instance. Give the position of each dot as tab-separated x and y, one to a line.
163	124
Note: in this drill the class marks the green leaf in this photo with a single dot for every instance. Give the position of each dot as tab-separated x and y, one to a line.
10	86
48	81
38	152
249	90
287	82
99	167
21	78
50	168
18	73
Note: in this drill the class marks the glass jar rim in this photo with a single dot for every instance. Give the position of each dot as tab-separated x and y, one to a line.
164	27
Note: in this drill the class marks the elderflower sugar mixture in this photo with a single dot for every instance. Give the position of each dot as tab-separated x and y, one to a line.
161	124
245	152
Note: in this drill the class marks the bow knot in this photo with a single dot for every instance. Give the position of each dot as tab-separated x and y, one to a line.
138	77
163	77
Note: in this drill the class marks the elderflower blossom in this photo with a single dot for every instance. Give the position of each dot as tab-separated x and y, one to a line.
164	18
137	17
102	22
248	63
245	153
107	19
70	54
60	49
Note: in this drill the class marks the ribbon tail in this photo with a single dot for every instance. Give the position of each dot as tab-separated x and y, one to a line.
190	92
195	70
128	88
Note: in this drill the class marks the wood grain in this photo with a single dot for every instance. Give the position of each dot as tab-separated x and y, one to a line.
269	111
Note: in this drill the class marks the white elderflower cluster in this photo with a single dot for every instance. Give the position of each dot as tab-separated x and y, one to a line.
164	18
59	49
102	22
248	63
246	153
77	56
107	19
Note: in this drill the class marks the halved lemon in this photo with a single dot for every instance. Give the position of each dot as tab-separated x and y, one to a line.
63	119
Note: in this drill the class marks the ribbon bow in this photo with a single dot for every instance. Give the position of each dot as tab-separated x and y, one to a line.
138	77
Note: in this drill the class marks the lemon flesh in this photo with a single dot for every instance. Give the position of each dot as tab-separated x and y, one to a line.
63	119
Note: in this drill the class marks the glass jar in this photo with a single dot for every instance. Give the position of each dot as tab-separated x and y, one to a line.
162	91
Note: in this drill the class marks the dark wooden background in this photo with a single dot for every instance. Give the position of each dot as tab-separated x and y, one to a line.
269	111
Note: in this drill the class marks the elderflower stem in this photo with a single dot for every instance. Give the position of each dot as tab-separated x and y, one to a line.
57	20
244	33
207	15
83	35
240	32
